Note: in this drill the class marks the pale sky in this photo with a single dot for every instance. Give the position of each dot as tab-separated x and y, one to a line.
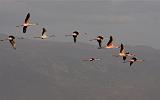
51	70
131	22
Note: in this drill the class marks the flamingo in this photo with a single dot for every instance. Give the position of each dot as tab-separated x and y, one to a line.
44	34
26	23
91	59
124	54
99	40
12	41
75	35
134	59
110	44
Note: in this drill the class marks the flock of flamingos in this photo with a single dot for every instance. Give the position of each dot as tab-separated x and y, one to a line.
126	56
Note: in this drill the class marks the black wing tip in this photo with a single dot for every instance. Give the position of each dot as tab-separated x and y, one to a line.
28	13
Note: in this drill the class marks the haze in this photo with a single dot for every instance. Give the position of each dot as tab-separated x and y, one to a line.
131	22
53	69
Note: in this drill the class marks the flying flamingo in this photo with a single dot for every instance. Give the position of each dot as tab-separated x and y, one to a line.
75	35
123	54
11	39
99	40
110	44
44	34
134	59
91	59
26	23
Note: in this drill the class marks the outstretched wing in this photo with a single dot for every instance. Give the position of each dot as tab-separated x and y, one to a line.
76	32
44	31
110	41
75	38
101	37
100	43
13	43
124	58
134	58
27	18
122	48
131	63
24	29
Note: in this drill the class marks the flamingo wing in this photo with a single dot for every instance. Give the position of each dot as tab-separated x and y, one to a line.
124	58
76	32
75	38
110	41
43	31
122	48
24	29
131	63
101	37
27	18
13	43
100	43
134	58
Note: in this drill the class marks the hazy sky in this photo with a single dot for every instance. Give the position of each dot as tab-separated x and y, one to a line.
131	22
47	70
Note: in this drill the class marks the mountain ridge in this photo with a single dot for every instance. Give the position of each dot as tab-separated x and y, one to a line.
39	70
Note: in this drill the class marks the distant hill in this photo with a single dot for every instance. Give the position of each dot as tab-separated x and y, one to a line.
49	70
